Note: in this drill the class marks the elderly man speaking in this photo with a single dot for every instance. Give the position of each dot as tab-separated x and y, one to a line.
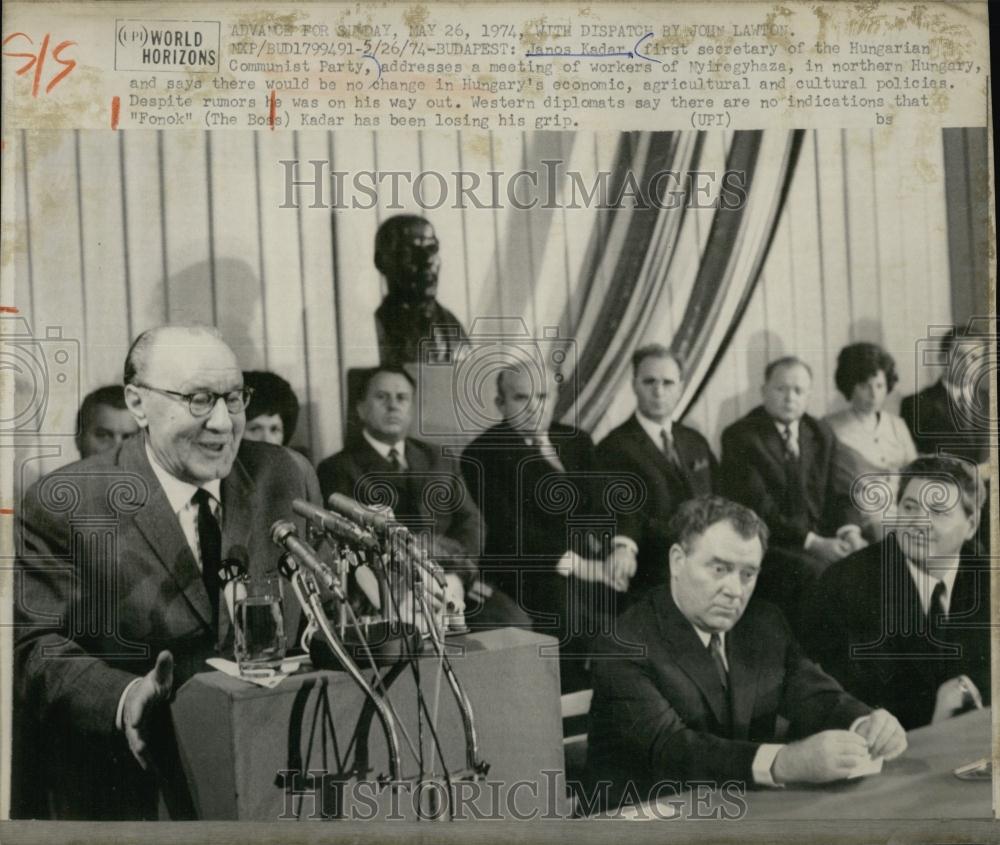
119	595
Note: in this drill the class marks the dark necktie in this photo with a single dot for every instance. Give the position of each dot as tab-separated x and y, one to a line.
937	614
715	647
791	443
670	450
210	543
394	459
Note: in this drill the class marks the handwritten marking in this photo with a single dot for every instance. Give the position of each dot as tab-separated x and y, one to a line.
116	108
378	64
38	61
634	53
6	511
8	309
272	110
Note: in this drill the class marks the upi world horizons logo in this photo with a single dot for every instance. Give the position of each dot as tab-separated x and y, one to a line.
167	45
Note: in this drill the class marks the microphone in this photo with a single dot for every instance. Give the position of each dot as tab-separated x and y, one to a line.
365	517
285	535
382	524
334	525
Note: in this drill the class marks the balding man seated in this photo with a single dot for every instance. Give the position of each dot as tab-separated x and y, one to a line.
107	630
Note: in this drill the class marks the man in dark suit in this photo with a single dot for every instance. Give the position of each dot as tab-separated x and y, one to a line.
702	702
905	623
672	461
410	317
536	482
119	560
424	489
779	460
952	416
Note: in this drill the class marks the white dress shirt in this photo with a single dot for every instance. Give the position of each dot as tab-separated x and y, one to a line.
384	448
926	581
179	494
653	429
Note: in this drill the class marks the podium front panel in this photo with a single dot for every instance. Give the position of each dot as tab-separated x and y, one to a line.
291	752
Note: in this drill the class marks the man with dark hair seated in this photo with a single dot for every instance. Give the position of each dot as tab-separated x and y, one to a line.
673	461
273	411
779	460
702	700
424	489
104	421
905	623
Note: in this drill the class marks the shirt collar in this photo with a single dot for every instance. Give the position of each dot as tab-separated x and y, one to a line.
384	448
653	428
537	438
179	492
793	427
926	580
706	636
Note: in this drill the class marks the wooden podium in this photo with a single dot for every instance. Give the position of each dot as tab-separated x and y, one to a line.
290	752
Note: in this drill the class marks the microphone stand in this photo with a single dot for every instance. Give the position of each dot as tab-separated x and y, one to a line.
307	592
402	553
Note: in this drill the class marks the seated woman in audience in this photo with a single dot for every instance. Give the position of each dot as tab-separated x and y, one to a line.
873	441
273	410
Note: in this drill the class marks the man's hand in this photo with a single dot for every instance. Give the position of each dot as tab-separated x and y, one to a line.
589	569
883	734
820	758
953	696
454	595
623	565
140	702
828	549
852	536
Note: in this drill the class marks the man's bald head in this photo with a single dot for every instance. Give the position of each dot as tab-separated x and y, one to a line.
526	397
165	367
149	347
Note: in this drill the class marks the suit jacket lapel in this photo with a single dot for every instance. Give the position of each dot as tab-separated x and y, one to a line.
771	438
807	450
417	464
654	454
741	652
680	444
684	645
159	525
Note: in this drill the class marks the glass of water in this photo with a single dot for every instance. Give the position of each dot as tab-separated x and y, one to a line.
260	626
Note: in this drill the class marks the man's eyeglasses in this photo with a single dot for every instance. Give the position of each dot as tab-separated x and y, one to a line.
203	402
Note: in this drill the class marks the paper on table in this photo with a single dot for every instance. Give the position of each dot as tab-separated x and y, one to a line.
265	678
871	767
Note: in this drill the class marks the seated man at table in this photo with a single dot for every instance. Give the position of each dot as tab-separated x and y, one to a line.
102	640
424	489
702	703
905	623
779	461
